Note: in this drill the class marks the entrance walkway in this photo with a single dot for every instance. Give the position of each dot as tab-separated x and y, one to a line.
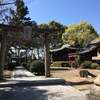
38	88
20	73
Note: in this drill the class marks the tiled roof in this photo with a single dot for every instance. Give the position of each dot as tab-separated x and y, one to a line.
95	41
88	49
63	47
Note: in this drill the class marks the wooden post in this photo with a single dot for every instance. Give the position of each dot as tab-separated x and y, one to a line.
47	59
2	54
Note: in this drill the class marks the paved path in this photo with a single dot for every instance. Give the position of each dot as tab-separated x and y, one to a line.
43	92
20	73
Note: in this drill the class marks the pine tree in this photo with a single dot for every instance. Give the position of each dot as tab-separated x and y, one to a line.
19	14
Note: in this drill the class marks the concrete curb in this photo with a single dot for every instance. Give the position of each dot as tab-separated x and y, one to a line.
38	82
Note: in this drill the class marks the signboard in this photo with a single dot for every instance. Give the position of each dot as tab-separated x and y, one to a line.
27	35
72	59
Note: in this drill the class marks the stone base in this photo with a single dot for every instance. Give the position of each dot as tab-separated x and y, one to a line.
94	93
97	80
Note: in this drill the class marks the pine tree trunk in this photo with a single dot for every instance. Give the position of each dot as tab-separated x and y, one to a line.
47	59
3	52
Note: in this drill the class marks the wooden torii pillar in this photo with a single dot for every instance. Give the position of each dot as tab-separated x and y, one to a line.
2	54
5	30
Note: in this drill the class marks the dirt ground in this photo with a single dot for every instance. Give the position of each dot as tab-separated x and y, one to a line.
7	74
73	78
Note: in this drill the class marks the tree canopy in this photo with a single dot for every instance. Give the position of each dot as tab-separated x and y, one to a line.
47	33
79	34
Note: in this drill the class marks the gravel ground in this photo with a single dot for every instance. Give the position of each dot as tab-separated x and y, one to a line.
73	75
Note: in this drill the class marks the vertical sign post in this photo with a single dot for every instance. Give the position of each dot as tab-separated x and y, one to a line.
27	35
72	59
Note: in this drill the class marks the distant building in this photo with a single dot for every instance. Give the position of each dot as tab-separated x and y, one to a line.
96	43
61	54
88	52
91	52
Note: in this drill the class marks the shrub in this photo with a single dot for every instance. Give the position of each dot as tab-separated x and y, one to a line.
26	65
60	64
11	66
86	64
37	67
94	65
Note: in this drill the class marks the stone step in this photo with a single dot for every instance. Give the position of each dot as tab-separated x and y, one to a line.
34	82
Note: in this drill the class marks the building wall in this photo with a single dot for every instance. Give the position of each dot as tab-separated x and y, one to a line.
62	55
88	56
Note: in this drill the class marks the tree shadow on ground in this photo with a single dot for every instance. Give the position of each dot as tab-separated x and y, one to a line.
22	93
3	80
78	83
28	93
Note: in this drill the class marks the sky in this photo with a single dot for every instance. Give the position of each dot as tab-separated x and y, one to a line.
66	12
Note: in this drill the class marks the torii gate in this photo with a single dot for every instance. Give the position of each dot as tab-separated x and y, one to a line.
6	29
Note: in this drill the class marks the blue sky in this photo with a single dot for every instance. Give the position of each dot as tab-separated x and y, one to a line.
65	11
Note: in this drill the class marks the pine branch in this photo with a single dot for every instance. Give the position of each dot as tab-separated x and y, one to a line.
4	4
